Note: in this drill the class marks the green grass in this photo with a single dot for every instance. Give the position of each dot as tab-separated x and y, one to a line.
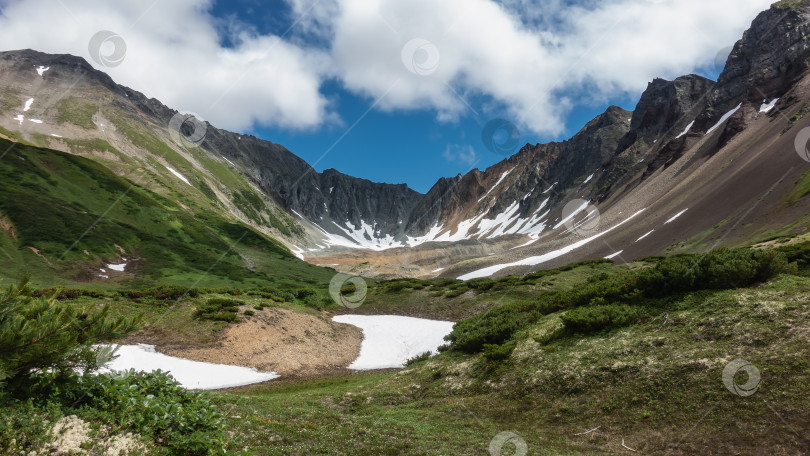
342	416
78	111
64	205
10	99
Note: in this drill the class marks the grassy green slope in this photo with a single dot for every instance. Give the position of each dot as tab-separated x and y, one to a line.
64	205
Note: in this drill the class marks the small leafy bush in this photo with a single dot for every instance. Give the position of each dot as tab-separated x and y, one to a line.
151	404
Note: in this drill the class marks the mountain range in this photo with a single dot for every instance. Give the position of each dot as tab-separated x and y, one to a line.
697	164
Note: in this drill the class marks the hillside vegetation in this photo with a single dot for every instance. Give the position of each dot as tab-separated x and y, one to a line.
65	217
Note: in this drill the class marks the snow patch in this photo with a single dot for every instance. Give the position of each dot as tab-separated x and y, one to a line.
437	270
179	176
573	214
28	104
588	179
42	69
297	251
503	176
535	260
117	267
725	117
676	216
19	118
525	245
389	340
55	135
766	107
36	121
190	374
688	127
642	237
614	255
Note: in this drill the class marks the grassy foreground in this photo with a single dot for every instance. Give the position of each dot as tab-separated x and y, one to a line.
593	358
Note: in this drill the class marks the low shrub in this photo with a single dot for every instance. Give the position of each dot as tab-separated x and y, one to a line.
501	352
163	292
453	293
482	284
219	309
591	319
63	294
418	358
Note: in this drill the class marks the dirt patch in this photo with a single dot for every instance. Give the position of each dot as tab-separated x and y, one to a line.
289	343
7	227
36	252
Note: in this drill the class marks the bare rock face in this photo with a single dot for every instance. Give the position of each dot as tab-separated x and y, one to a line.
667	106
769	59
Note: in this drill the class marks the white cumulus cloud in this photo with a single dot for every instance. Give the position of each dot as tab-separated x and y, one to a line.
174	54
530	61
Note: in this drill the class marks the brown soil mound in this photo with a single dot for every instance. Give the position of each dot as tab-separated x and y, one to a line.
283	341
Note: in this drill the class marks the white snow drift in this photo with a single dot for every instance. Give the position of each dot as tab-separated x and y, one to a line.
389	340
190	374
535	260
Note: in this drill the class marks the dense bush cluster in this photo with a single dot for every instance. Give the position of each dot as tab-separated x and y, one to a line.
616	300
219	309
591	319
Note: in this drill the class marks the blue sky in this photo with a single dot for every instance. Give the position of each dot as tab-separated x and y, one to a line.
401	147
391	90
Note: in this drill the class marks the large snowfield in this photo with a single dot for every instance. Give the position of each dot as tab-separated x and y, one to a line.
389	340
190	374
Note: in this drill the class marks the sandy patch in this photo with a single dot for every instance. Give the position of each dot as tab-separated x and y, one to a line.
279	340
